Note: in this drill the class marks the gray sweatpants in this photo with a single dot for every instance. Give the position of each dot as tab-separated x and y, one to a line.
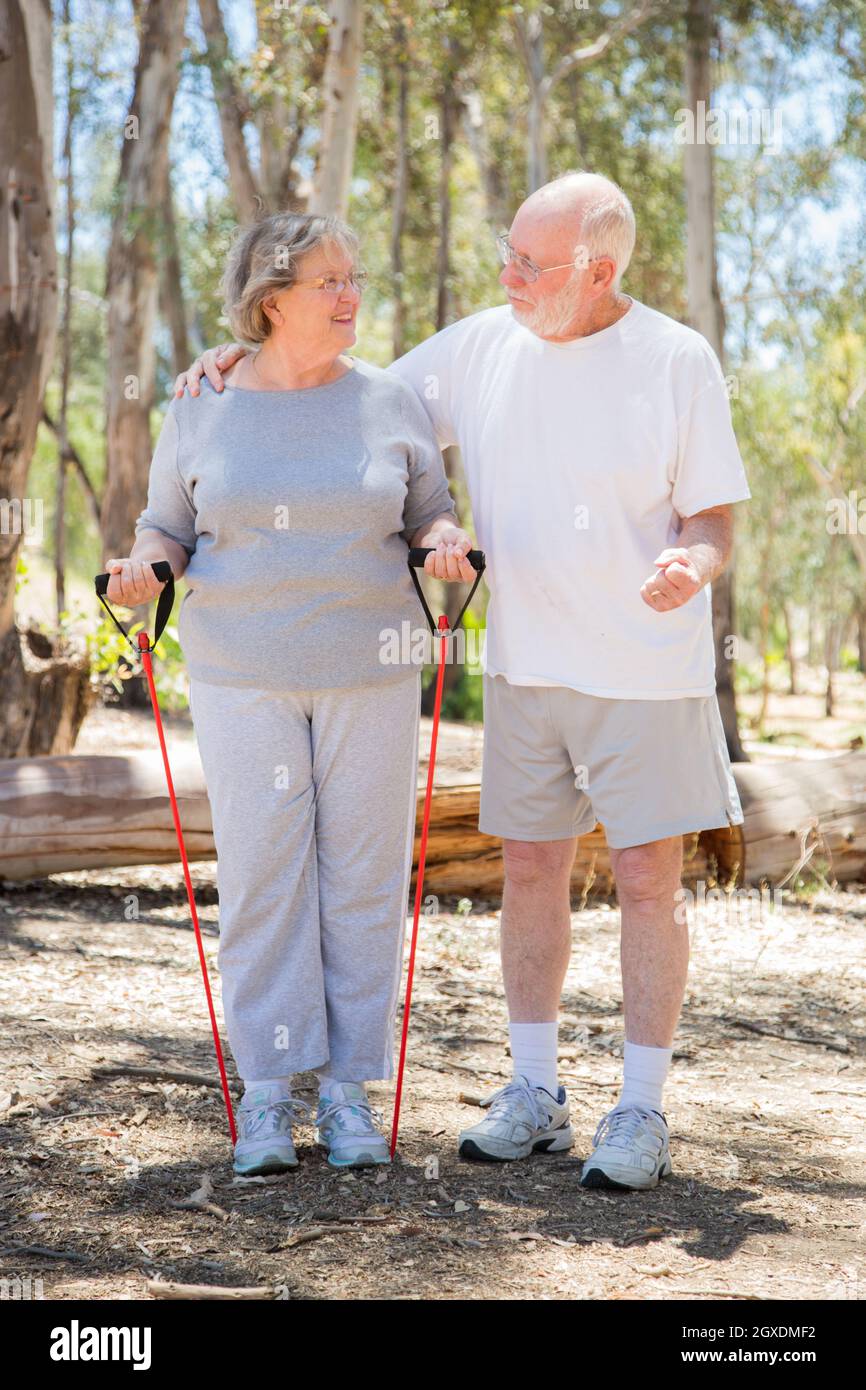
312	796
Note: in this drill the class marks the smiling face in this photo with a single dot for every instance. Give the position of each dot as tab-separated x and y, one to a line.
318	322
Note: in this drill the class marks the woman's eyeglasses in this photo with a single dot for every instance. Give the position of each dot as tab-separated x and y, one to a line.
335	284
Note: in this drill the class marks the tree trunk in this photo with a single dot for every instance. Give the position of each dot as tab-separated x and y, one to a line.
171	301
65	332
232	108
35	683
132	274
496	207
400	194
446	164
279	119
452	593
530	35
707	316
765	663
789	649
831	657
340	115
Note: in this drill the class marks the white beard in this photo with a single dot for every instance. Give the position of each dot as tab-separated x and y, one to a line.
552	316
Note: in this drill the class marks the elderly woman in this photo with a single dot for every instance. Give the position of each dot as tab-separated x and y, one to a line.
288	500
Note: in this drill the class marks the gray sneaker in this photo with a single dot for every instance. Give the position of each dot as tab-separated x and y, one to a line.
264	1123
629	1150
523	1119
346	1125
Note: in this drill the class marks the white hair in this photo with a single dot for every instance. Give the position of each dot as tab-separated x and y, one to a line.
608	225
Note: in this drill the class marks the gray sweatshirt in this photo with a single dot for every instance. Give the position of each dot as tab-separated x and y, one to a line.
296	508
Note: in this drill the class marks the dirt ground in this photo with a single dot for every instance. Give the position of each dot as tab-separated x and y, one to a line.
765	1104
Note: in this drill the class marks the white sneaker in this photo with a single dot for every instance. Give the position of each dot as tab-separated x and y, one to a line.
630	1150
264	1123
346	1127
522	1119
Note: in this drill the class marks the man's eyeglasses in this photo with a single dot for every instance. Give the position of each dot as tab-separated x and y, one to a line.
527	269
335	284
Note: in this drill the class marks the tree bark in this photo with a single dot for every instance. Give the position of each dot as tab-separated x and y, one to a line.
43	694
789	648
707	316
496	208
529	32
171	298
448	109
279	118
116	812
231	107
65	332
132	273
340	115
400	195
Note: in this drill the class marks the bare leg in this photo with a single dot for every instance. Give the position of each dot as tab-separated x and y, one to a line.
654	947
535	930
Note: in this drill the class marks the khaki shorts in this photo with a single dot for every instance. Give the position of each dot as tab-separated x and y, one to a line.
556	761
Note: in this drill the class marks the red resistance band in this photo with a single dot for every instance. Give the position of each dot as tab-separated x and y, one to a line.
162	570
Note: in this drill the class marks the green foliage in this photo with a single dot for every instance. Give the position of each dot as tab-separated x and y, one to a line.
113	661
22	574
796	339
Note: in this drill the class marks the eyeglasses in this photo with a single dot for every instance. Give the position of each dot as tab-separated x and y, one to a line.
527	269
335	284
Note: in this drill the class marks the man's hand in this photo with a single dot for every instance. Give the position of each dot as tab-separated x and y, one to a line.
707	538
211	364
676	580
448	561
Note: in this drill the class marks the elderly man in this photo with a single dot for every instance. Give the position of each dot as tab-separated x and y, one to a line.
602	468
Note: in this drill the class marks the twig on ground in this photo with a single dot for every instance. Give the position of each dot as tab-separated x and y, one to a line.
158	1289
186	1078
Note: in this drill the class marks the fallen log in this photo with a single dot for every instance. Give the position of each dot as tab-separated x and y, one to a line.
95	812
86	812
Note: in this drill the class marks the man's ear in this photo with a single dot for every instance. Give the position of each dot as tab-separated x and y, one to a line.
604	273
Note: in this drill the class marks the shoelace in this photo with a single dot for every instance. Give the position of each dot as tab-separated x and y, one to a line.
618	1127
358	1109
500	1105
266	1119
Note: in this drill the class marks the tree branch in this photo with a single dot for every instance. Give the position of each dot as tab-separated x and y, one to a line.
578	56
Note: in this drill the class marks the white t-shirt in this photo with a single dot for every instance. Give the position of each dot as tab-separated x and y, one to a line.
581	458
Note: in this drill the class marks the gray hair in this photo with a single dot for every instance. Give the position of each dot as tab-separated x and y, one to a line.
608	224
264	260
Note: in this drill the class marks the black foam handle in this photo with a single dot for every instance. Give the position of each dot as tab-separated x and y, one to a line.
163	571
418	554
161	568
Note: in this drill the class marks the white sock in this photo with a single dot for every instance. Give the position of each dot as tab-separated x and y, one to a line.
331	1087
645	1071
283	1082
533	1051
